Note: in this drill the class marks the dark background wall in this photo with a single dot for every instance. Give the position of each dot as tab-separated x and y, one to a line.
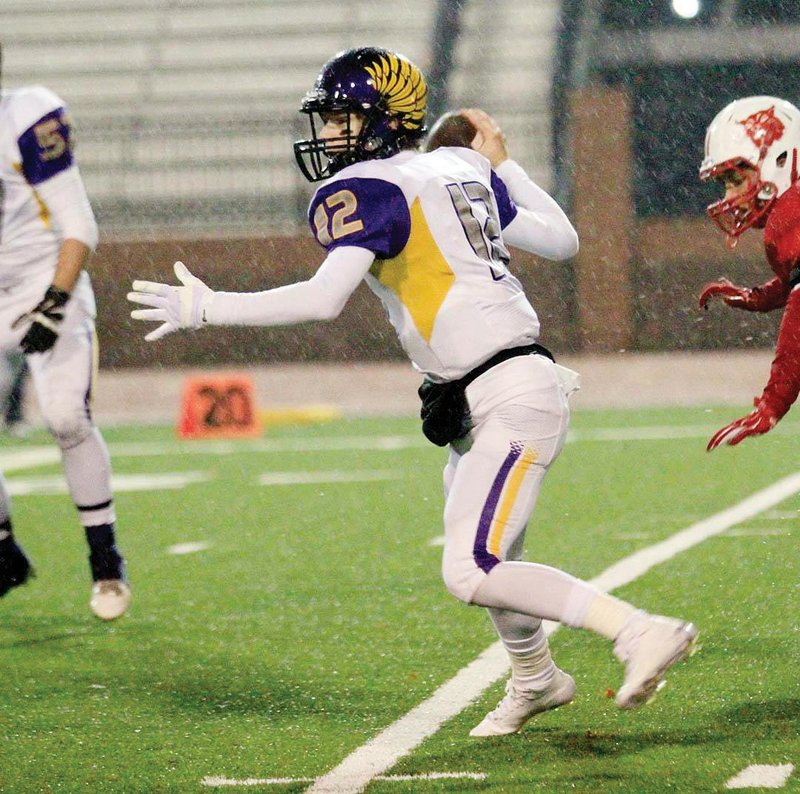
670	261
361	333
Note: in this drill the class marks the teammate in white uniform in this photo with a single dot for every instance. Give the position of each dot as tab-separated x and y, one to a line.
428	233
47	309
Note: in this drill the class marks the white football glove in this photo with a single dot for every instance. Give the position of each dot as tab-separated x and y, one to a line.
175	307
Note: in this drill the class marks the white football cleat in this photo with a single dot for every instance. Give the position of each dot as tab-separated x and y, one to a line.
519	705
110	598
649	645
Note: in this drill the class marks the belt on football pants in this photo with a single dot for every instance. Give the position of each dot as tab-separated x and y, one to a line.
498	358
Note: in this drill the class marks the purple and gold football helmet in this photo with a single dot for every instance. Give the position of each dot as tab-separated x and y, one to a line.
384	88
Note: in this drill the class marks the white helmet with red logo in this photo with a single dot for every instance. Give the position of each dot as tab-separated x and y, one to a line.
762	132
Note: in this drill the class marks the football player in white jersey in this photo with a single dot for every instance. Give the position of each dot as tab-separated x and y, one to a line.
47	309
428	232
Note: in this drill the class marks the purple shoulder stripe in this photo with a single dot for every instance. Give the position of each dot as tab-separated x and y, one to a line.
507	208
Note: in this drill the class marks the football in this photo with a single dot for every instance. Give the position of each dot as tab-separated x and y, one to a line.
450	129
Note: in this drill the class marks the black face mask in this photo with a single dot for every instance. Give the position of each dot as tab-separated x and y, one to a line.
317	158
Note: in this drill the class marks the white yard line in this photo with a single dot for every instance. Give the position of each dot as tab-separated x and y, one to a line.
135	449
190	547
326	477
381	753
282	781
31	457
45	455
52	484
644	433
758	532
762	776
379	443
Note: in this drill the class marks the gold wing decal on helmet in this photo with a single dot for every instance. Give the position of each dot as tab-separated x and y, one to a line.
402	86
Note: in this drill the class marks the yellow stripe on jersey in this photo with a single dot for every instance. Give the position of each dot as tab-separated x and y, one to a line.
419	275
44	213
511	491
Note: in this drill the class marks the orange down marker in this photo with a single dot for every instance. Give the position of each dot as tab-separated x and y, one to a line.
218	406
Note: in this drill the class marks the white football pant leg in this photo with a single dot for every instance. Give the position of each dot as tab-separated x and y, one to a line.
520	634
63	378
5	501
520	416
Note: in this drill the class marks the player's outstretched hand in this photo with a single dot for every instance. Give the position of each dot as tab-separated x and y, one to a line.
756	423
173	307
489	139
738	297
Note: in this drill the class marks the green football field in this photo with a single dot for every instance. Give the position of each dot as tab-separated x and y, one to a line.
288	609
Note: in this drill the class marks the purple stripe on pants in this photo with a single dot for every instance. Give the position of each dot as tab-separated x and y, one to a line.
484	560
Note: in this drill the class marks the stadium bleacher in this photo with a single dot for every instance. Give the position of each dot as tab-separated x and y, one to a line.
186	111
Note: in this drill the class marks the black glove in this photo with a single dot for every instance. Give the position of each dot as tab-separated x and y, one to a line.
45	319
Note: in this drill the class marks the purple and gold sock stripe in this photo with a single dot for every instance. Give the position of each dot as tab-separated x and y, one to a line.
498	505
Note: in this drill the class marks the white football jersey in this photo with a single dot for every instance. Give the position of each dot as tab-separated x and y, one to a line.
434	222
35	145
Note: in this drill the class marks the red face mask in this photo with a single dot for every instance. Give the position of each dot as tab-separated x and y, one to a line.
744	210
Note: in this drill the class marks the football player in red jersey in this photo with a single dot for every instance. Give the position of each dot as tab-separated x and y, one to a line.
752	149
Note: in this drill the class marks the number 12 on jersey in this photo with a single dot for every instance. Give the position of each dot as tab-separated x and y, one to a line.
343	206
476	211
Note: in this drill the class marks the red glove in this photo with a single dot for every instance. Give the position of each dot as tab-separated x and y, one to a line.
727	290
757	299
782	388
759	421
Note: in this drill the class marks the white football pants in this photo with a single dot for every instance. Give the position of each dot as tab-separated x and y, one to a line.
62	379
492	480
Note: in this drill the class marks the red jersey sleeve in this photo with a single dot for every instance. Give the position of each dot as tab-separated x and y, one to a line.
784	377
782	237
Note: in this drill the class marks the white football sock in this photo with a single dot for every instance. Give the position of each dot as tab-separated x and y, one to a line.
532	666
607	615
